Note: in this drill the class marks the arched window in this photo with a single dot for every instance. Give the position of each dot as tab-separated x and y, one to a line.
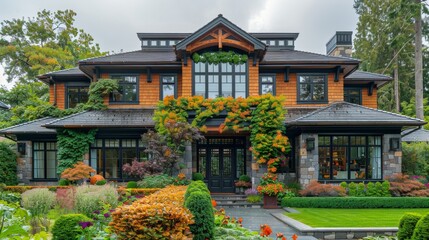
220	80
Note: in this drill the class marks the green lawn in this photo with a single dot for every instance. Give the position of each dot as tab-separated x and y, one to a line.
328	217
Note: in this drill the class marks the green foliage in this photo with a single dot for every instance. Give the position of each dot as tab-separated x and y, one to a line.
97	90
199	203
356	202
422	228
156	181
415	158
63	182
41	44
244	178
196	176
132	184
254	198
385	189
353	189
371	191
38	201
13	221
360	190
407	224
379	189
67	227
343	185
7	165
90	198
220	57
101	182
72	145
10	197
196	186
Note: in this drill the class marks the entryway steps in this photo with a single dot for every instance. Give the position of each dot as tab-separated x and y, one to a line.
233	201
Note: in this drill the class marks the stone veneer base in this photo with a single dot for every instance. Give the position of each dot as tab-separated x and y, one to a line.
333	233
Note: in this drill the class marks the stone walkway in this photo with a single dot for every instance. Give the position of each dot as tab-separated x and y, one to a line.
254	217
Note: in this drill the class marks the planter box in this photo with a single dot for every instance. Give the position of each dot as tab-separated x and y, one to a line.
270	202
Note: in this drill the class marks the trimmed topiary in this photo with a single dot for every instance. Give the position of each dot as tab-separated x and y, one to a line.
132	184
244	178
197	176
370	190
63	182
101	182
196	186
199	203
67	227
407	224
422	228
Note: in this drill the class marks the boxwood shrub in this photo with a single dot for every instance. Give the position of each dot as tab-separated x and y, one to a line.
422	228
407	224
67	226
356	202
199	203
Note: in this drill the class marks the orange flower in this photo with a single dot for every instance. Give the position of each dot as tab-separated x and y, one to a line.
265	230
280	236
214	203
240	220
294	237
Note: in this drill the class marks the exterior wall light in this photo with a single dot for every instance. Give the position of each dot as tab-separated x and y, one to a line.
21	148
394	144
310	144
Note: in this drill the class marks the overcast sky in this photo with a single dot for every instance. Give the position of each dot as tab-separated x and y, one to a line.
114	24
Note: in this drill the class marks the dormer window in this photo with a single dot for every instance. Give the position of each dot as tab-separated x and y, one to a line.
145	43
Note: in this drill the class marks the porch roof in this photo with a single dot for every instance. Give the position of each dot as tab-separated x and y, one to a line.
30	127
110	118
349	114
412	135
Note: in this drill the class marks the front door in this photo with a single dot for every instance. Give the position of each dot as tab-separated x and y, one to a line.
221	161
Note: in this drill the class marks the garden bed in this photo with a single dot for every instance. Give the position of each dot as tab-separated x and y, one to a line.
356	202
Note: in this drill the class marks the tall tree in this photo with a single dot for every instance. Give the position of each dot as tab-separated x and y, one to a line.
41	44
418	60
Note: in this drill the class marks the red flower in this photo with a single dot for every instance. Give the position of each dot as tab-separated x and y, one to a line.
214	203
265	230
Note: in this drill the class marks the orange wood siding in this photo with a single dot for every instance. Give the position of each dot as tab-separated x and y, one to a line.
61	98
289	90
186	83
253	78
369	101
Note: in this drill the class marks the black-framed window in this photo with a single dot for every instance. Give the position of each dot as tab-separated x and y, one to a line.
353	95
45	160
76	95
168	85
128	89
350	158
312	88
267	84
107	156
220	80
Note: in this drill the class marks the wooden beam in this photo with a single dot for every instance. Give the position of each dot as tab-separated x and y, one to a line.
185	58
149	75
286	79
219	37
254	59
371	88
337	74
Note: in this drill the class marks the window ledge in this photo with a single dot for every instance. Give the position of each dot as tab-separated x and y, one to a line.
44	180
124	103
312	102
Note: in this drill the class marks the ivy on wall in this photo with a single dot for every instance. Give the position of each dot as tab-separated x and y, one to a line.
263	116
220	57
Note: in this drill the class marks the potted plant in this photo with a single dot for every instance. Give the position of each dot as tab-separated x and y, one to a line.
270	187
243	183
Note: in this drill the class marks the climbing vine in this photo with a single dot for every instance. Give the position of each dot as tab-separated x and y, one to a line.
262	115
220	57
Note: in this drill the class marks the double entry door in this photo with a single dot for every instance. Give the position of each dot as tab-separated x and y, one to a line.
221	161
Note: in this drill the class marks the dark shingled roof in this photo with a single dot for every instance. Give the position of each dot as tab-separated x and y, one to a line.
30	127
64	73
295	56
349	114
361	75
135	57
412	135
118	118
3	105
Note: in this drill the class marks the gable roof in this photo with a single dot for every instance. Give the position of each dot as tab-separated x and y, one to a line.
118	118
135	57
220	20
349	114
31	127
415	135
362	75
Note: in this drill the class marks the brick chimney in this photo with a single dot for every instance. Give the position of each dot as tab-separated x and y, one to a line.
340	45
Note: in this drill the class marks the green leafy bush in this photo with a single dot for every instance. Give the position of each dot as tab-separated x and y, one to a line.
7	165
352	189
407	225
156	181
370	190
132	184
199	203
89	198
254	198
67	227
38	201
10	197
196	186
101	182
197	176
422	228
356	202
385	189
415	158
360	190
63	182
244	178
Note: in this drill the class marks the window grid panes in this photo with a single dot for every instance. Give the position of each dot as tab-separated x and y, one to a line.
350	158
267	85
76	95
45	160
353	95
168	86
220	80
127	91
312	88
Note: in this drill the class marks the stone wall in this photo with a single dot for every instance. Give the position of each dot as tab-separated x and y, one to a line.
392	160
25	164
342	51
308	167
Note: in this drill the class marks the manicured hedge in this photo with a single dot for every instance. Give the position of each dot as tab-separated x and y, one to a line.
356	202
407	224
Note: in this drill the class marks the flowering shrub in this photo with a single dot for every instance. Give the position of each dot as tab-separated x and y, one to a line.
66	198
227	227
317	189
137	191
271	189
265	230
402	185
158	216
243	184
251	191
79	171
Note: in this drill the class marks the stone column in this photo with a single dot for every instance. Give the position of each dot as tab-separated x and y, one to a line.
187	161
392	160
24	165
308	167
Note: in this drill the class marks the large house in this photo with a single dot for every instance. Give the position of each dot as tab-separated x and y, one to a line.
333	124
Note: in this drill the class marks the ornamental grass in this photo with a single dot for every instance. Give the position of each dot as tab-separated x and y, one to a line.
161	215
